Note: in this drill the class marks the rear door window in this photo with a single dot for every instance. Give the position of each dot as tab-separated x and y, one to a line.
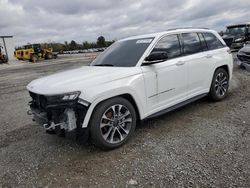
191	43
212	41
170	44
203	42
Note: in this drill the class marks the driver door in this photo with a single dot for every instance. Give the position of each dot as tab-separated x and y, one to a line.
166	82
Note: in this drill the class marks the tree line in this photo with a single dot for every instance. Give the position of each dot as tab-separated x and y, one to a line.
73	45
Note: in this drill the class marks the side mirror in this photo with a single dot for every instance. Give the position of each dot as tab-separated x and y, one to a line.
156	57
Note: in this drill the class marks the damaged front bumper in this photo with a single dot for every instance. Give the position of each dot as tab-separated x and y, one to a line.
244	60
54	114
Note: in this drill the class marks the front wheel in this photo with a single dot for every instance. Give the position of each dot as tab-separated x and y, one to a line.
112	123
220	85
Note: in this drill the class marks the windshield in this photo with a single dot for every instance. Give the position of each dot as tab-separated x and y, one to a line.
236	30
123	53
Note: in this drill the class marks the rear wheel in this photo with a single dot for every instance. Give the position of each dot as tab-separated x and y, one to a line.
220	85
112	123
3	59
48	56
34	58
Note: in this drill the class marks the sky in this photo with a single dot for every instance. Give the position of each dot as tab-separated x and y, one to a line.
84	20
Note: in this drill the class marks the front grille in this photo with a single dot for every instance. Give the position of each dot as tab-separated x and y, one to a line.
46	113
33	95
42	101
39	101
244	58
247	53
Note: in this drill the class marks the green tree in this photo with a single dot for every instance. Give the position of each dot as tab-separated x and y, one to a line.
101	42
66	46
86	45
73	45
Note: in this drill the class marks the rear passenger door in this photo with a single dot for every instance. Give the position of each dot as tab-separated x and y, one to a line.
198	61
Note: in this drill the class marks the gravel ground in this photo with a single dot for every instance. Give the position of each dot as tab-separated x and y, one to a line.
204	144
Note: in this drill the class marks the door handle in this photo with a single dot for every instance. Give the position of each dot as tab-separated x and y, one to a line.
209	56
179	63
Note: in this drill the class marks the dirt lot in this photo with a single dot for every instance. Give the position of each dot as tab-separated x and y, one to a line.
204	144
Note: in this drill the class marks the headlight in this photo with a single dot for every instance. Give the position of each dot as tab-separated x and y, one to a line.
71	96
64	97
239	39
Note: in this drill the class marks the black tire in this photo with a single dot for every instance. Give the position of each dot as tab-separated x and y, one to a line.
34	58
128	127
242	66
220	85
48	56
6	60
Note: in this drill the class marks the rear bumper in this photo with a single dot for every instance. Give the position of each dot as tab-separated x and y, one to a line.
244	61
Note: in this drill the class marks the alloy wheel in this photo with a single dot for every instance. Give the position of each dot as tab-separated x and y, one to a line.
116	123
221	84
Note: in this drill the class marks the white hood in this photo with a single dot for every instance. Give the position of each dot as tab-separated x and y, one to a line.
79	79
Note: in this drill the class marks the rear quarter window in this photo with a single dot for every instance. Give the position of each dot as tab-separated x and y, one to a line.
212	41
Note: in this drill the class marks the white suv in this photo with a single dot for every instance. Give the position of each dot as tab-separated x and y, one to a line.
134	79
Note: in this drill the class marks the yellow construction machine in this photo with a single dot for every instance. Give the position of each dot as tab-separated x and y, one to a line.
34	52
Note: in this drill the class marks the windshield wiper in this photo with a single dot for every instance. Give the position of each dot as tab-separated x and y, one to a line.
108	65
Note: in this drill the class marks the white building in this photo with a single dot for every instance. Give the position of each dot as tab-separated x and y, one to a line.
8	46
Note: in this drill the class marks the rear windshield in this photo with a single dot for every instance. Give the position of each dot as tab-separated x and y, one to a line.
236	30
123	53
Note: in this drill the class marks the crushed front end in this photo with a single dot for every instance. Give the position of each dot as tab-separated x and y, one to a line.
244	57
58	112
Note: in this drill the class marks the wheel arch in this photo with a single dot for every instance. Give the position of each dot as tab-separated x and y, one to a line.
225	67
132	101
126	96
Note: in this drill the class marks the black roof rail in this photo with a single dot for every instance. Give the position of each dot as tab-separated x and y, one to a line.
186	28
